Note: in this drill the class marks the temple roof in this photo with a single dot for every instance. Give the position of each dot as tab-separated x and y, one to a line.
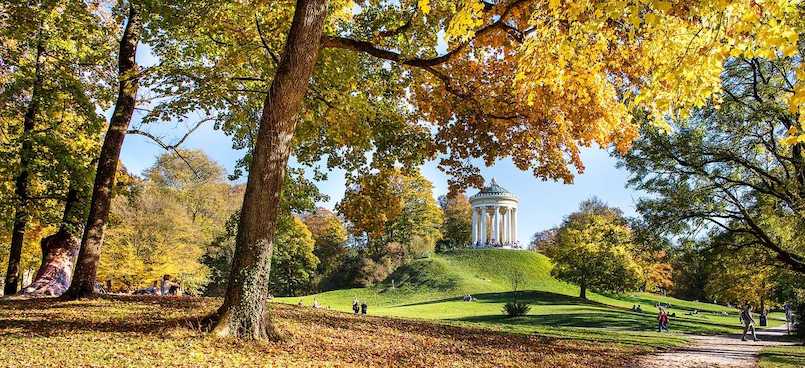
493	190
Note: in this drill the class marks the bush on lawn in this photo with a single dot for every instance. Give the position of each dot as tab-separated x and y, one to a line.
515	309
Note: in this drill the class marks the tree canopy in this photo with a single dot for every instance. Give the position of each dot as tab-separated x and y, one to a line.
393	206
728	168
593	248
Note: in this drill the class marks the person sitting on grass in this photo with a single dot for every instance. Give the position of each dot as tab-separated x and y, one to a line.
748	322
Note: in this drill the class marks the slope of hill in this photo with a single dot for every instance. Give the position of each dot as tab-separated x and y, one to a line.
432	288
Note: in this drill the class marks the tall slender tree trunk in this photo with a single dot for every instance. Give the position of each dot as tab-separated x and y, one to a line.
83	283
59	250
244	312
583	289
22	181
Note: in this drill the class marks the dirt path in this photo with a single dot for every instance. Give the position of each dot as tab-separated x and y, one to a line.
725	351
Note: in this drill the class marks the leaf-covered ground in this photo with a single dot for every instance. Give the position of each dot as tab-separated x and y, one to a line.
157	332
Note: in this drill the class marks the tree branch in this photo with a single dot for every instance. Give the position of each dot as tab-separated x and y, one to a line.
173	147
265	43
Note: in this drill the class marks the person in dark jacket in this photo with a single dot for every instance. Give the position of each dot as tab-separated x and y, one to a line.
363	308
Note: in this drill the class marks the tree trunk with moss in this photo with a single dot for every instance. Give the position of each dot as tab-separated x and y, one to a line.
244	313
83	283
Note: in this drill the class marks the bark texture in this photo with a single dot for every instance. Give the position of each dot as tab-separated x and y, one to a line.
83	283
59	252
244	313
22	181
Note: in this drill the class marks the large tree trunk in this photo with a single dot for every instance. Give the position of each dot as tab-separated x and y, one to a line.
83	283
583	291
59	252
244	312
22	181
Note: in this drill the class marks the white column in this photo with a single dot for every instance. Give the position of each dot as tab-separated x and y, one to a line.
507	224
482	236
514	224
496	225
474	226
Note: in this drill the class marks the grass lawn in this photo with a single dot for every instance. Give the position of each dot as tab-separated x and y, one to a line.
782	357
432	289
138	331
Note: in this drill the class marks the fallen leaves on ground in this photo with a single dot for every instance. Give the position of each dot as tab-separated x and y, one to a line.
158	332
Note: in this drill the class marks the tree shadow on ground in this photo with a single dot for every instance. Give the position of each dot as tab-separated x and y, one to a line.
534	297
783	359
142	314
609	318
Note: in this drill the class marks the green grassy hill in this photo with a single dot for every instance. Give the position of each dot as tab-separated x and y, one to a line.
432	288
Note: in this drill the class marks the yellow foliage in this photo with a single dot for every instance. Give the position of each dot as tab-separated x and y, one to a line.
424	6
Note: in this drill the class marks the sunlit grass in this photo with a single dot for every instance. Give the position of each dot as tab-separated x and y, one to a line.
432	288
782	357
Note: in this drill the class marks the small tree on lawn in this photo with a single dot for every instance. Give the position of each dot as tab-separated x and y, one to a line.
593	249
514	308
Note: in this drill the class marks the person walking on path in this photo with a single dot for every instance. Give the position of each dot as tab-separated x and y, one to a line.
364	307
662	320
749	322
355	307
789	317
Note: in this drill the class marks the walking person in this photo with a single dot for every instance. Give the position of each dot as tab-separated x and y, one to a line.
355	307
364	307
749	322
662	320
789	317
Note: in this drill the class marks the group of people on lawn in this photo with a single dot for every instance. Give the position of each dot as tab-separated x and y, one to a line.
356	308
746	318
165	286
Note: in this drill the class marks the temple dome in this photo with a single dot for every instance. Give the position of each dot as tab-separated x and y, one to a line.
493	190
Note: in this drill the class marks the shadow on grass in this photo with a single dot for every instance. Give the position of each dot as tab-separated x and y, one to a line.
610	318
782	358
533	297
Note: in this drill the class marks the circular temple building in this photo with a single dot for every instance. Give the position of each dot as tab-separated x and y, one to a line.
494	218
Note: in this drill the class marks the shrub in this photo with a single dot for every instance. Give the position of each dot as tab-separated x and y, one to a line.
515	309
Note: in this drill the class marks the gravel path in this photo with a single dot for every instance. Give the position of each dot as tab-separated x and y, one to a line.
724	351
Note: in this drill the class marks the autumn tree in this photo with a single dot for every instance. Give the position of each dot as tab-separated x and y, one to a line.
299	196
128	78
163	223
133	17
457	213
593	249
55	71
527	79
731	167
542	239
293	261
393	206
330	240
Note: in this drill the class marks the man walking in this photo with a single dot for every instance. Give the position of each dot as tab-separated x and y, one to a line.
749	322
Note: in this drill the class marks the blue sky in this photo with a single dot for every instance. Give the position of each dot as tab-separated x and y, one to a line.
542	204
